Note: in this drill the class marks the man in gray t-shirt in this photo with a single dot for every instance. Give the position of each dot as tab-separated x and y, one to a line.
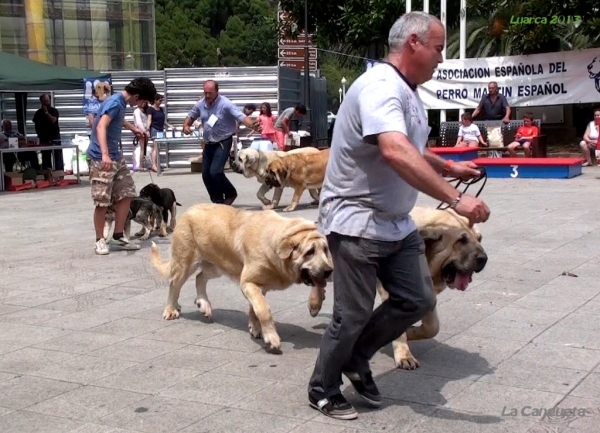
378	164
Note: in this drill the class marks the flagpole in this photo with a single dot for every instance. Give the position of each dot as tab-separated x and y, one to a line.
443	20
463	36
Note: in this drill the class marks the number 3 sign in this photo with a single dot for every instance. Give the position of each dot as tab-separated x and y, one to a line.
515	171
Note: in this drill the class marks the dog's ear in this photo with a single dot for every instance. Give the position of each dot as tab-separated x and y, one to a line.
288	242
286	248
431	235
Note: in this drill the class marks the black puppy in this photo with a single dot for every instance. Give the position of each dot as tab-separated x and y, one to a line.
165	199
142	211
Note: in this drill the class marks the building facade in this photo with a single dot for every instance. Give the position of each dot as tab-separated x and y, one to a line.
101	35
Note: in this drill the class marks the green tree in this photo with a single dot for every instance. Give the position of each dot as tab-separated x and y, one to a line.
215	33
357	24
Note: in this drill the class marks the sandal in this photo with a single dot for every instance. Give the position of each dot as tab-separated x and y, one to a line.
585	164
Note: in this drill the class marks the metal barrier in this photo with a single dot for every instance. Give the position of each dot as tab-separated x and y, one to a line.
182	88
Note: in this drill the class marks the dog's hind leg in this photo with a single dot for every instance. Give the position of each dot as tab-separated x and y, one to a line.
163	222
173	217
254	295
127	228
207	272
179	275
314	193
146	230
107	226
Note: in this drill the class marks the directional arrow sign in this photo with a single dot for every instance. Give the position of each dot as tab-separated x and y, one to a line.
299	40
291	52
298	64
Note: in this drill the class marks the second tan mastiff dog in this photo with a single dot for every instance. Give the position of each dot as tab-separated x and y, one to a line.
454	252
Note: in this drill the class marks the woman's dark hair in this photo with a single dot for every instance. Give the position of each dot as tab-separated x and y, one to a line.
267	108
250	107
143	88
158	97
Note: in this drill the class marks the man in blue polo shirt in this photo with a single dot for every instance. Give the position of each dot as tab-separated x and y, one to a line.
220	119
112	184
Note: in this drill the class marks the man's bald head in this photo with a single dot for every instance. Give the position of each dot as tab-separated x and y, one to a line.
211	91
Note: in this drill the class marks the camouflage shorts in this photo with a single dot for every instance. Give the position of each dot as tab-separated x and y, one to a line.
109	187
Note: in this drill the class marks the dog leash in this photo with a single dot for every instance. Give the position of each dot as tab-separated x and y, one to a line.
482	176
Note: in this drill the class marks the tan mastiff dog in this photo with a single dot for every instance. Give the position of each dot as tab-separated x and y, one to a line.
454	252
263	251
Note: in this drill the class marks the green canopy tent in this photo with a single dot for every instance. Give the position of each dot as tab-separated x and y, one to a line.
19	75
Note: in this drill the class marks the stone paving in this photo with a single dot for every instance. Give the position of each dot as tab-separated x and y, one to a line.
84	349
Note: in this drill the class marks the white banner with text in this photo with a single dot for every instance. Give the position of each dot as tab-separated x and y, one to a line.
566	77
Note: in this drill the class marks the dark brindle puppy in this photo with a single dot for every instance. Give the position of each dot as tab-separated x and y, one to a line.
165	199
142	211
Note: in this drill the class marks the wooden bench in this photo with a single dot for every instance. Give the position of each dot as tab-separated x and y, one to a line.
531	168
449	135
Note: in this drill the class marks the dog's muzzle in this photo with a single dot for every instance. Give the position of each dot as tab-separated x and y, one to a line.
315	280
237	167
271	180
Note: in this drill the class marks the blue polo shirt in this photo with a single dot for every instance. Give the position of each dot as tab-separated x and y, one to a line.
227	114
114	106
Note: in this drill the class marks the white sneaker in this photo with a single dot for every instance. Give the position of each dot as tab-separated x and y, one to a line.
124	244
101	248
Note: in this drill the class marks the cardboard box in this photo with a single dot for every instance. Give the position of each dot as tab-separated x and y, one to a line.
53	175
13	178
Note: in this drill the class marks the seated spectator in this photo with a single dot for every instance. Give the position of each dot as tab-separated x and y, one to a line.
524	136
589	144
469	134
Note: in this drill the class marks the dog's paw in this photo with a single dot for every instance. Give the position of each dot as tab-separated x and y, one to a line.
314	202
268	206
314	310
145	238
254	329
290	208
407	362
204	307
273	341
170	313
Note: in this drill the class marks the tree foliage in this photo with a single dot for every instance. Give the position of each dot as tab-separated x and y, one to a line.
358	24
215	33
497	28
364	25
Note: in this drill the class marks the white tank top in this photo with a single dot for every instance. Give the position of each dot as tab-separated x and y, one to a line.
593	131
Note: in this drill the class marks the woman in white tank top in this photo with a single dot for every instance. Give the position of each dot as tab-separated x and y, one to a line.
590	140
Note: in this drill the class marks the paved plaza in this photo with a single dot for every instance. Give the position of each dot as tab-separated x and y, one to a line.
84	348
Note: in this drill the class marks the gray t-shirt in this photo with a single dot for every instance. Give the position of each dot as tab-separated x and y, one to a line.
362	195
287	113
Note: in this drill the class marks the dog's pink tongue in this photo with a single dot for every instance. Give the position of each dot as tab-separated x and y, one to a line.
461	281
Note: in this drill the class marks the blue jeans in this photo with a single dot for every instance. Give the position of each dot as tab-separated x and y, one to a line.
214	158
